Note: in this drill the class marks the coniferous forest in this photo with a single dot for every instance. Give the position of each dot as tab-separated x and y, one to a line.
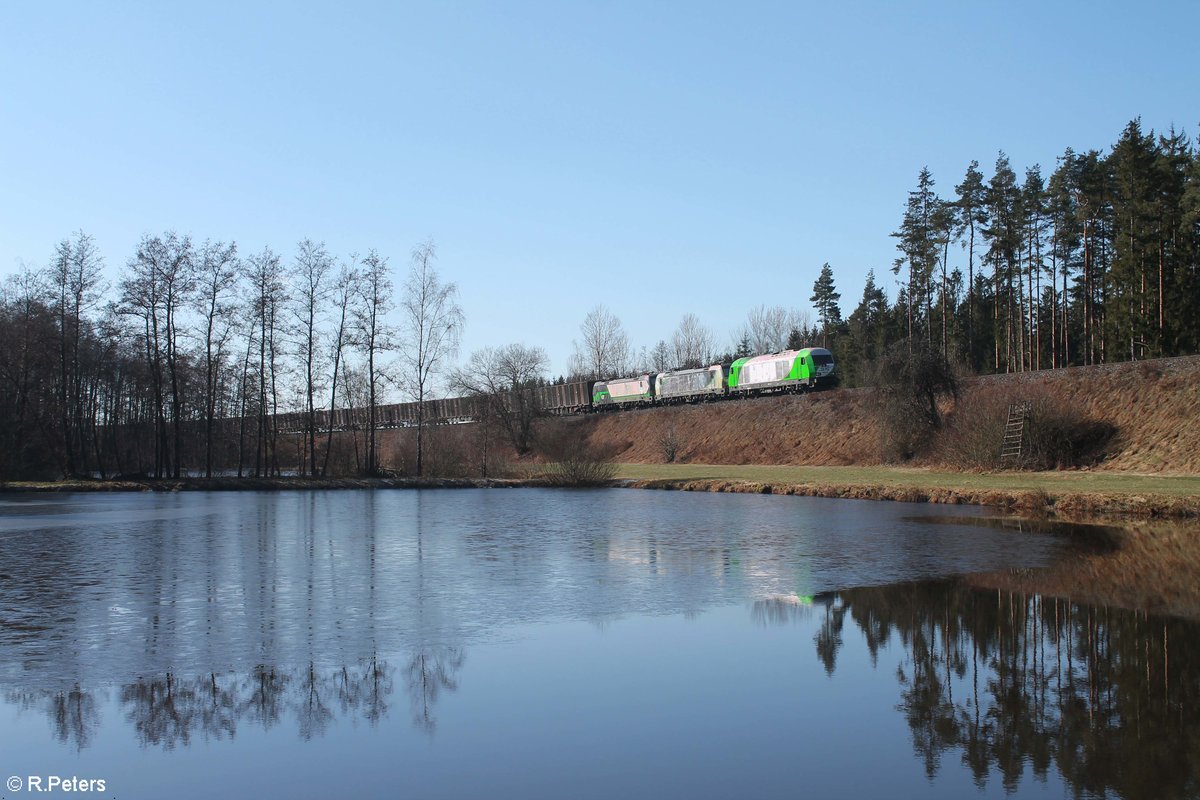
179	366
1097	261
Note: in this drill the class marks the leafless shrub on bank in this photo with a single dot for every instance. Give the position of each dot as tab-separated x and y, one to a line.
912	380
445	453
1058	434
574	461
669	443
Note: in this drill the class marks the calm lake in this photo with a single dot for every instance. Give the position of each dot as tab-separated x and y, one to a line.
534	643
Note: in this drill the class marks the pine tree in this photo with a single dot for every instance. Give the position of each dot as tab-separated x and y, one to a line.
1065	239
972	218
943	233
1004	243
824	299
868	321
1171	167
1185	301
743	348
1033	206
918	243
1132	164
1094	211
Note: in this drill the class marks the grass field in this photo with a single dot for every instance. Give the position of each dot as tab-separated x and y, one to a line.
1052	483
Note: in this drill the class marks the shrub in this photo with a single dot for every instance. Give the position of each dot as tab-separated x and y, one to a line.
912	381
669	443
1058	434
574	461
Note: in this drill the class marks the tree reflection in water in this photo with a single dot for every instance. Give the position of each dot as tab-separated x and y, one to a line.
430	671
171	711
74	714
1007	680
1008	683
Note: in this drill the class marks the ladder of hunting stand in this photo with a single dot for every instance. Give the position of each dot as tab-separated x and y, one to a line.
1014	432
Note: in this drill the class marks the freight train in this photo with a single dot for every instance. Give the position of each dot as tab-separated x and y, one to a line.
786	371
783	372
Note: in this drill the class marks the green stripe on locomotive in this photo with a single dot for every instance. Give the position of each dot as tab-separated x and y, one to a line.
735	372
603	396
802	368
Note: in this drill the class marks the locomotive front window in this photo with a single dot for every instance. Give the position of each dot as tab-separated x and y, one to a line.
821	359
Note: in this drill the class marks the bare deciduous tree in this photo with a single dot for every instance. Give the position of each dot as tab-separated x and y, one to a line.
312	291
603	350
268	297
156	286
374	336
662	357
433	324
505	378
692	343
769	327
75	279
342	293
216	280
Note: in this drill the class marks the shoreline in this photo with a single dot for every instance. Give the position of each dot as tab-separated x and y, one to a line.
1063	501
273	484
1069	505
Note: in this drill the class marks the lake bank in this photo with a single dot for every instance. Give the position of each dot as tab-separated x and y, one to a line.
1069	494
263	484
1078	495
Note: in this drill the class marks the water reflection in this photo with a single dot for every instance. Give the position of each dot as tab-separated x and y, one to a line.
170	711
74	714
1006	681
429	673
1002	683
181	620
196	583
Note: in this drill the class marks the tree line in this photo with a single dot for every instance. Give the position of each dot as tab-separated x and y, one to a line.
182	366
184	363
1097	263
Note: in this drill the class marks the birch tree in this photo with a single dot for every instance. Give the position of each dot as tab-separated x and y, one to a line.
433	323
216	282
374	337
311	281
692	344
268	296
342	294
603	350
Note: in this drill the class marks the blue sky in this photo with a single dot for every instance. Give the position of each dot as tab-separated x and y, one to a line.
659	158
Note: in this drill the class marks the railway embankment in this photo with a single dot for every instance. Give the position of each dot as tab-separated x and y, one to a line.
1144	462
1149	412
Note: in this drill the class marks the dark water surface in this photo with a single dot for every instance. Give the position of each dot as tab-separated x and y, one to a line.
552	643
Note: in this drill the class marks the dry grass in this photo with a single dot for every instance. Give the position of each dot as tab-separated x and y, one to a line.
1050	482
1078	495
1153	408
